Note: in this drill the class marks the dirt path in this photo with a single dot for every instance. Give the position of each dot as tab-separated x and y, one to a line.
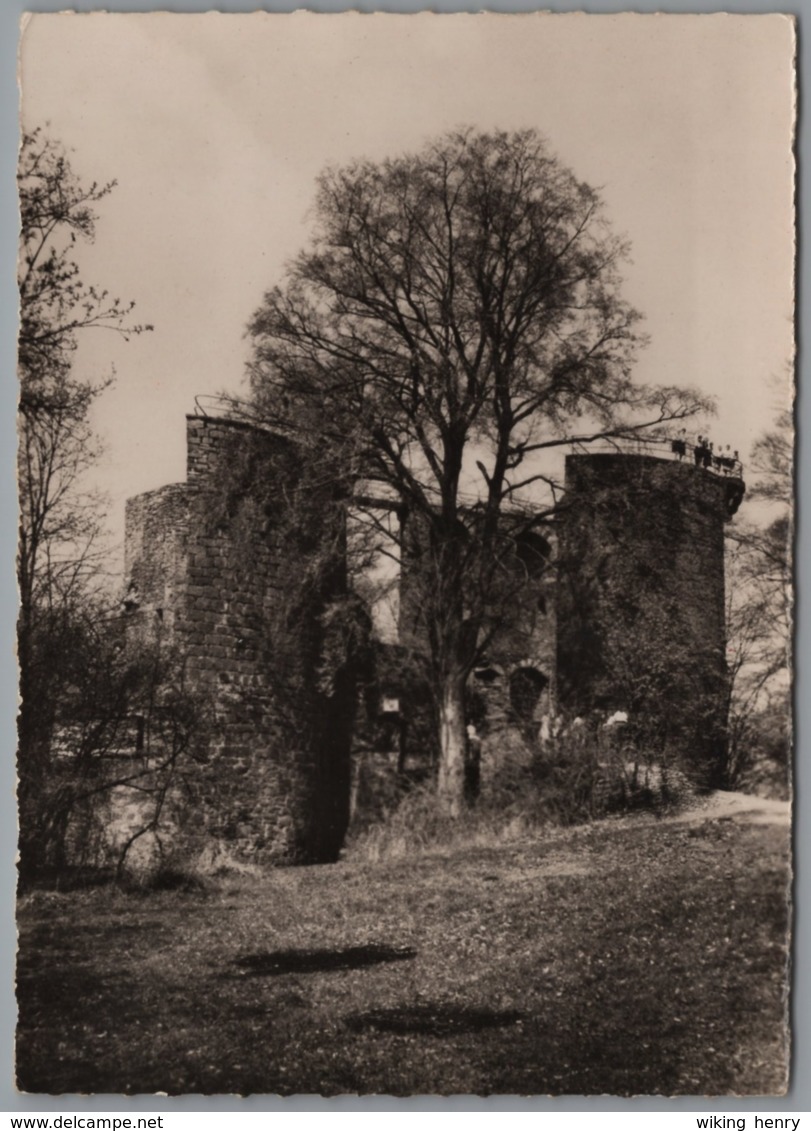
744	807
723	805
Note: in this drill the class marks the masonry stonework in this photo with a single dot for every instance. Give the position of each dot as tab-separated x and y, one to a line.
512	688
641	610
622	609
208	572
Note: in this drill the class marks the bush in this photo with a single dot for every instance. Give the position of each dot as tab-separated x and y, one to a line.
588	771
584	773
179	860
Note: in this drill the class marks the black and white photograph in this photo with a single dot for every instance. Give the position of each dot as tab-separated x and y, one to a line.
405	474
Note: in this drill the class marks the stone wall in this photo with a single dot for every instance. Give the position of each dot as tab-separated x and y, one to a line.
242	598
512	688
157	529
641	611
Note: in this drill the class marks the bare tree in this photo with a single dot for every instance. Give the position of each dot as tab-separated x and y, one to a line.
759	586
457	314
59	520
124	724
56	443
56	212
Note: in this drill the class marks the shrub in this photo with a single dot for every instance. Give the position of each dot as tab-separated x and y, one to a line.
584	773
589	770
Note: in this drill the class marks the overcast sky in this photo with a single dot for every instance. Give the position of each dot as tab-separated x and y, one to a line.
215	127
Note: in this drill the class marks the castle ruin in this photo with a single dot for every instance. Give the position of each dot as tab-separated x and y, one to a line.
630	617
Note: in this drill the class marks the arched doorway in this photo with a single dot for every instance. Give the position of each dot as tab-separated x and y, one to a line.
527	684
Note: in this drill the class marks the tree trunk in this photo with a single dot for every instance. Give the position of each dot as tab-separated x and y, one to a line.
453	739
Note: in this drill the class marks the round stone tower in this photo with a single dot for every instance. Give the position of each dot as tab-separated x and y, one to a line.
641	609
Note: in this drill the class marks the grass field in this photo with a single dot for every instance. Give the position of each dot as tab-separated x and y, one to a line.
627	957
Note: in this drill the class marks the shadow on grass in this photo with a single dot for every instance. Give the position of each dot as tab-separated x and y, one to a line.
433	1020
277	962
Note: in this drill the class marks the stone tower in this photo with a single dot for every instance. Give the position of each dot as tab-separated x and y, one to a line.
641	610
213	569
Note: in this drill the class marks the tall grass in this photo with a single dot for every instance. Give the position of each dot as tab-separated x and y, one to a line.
580	776
420	824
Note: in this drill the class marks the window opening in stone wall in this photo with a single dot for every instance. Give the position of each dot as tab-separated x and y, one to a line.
526	688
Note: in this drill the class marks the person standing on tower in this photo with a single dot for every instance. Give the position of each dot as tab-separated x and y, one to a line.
679	445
